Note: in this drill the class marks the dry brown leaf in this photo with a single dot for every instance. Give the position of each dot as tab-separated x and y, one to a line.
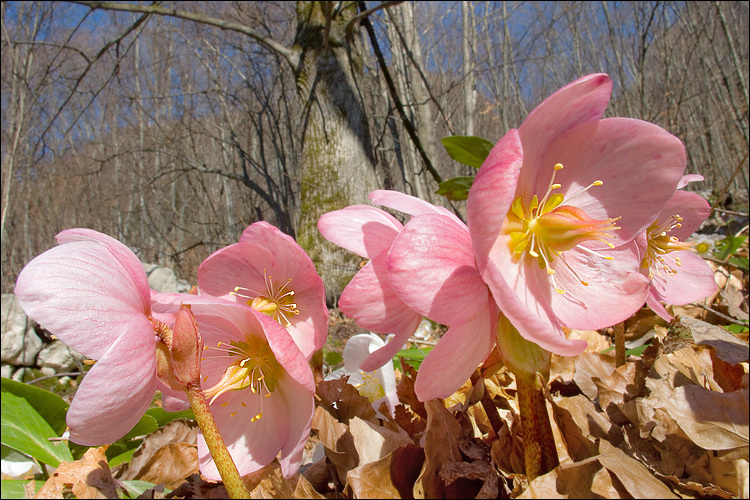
274	485
633	475
729	470
507	450
712	420
734	300
592	423
589	365
567	480
337	440
170	465
596	342
373	480
618	388
478	470
374	442
441	445
405	390
412	423
88	477
343	401
166	456
727	347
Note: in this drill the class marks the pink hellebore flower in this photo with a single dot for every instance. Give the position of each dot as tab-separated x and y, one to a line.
555	207
369	297
259	385
424	269
92	293
677	274
271	273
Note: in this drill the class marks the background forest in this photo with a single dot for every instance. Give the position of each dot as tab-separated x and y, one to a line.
171	126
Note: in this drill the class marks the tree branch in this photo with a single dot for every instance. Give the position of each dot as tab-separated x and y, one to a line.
397	101
291	56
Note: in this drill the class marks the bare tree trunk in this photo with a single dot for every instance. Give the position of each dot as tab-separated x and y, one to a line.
338	166
470	93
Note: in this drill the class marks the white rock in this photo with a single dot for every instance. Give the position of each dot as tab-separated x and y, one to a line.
20	343
164	279
6	370
58	356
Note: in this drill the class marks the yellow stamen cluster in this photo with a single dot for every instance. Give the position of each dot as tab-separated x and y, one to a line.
275	301
256	368
370	387
660	244
544	229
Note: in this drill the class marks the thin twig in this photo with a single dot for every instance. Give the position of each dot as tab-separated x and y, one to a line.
64	374
721	315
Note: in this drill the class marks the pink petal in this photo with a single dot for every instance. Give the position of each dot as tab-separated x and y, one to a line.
691	207
120	252
252	445
657	307
431	267
299	406
694	280
286	351
615	291
370	300
118	390
531	319
408	204
492	193
252	267
385	354
687	179
455	357
82	294
639	163
361	229
579	102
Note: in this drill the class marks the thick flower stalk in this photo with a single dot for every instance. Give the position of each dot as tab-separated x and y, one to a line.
92	293
268	271
554	210
259	387
378	386
677	274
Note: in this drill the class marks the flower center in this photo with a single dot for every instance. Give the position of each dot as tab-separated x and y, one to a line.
544	230
370	387
275	301
255	367
660	244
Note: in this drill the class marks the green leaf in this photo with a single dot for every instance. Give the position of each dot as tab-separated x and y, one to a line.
414	356
729	246
14	488
467	149
456	189
741	262
122	457
333	358
736	328
23	429
134	488
50	406
164	417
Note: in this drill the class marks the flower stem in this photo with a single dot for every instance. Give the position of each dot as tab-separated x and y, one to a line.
223	460
540	453
620	344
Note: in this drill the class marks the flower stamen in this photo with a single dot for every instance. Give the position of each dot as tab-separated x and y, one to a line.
545	229
276	301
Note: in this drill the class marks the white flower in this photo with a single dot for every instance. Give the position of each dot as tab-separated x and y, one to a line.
377	386
704	243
